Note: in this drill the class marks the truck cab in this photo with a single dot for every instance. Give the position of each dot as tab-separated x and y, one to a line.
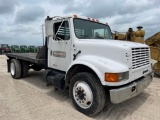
86	41
80	55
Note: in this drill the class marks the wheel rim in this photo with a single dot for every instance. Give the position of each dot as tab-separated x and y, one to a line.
12	68
82	94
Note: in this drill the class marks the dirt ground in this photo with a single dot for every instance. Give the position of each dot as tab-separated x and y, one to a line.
30	99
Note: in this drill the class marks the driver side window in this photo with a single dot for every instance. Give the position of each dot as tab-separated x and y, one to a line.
62	31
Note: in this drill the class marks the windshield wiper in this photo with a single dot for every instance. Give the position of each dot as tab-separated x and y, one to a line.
86	36
99	37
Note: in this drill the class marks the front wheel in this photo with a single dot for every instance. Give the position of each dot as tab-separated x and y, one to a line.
87	93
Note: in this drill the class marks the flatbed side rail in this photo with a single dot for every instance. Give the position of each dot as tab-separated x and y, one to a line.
29	57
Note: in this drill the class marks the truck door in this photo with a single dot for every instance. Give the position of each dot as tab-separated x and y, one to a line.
59	51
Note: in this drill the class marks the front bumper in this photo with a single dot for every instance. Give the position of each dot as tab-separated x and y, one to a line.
124	93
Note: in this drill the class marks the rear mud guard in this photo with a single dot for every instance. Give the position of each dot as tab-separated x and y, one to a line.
8	65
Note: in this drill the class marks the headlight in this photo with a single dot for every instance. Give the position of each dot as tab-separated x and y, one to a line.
116	77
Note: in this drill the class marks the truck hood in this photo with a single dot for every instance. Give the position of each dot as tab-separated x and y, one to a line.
114	42
114	50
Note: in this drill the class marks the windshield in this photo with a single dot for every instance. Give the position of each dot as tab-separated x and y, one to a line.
85	29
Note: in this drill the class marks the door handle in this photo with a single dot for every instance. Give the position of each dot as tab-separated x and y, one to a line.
51	53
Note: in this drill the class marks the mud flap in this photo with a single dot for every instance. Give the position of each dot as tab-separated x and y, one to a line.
8	65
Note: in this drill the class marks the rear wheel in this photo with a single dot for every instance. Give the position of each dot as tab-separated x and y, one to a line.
25	69
15	68
87	93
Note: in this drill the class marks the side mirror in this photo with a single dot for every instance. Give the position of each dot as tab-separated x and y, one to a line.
49	27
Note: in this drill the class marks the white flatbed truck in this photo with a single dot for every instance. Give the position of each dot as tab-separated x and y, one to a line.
80	55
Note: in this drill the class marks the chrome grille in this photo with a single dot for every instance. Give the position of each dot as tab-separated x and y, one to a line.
140	57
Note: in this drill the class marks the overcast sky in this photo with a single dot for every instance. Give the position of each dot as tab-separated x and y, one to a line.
21	20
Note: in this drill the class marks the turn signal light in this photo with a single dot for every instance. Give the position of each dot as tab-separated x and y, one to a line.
75	16
111	77
97	20
89	18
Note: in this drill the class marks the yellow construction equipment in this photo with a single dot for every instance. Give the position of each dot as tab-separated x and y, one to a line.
130	35
154	43
139	35
118	36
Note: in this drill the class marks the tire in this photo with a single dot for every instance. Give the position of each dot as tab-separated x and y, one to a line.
87	93
15	68
25	68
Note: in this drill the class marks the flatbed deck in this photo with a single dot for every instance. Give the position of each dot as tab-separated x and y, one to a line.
30	57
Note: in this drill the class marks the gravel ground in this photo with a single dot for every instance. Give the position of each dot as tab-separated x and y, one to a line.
30	99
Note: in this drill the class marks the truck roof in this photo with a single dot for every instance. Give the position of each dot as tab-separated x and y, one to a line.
75	16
